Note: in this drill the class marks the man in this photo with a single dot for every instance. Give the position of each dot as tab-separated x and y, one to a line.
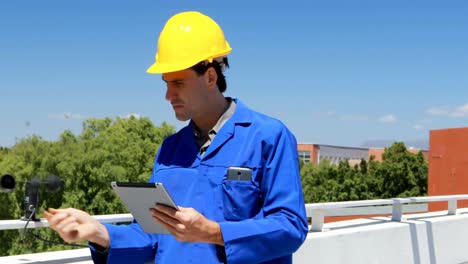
259	218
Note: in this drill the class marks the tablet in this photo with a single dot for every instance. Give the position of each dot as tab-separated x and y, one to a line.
139	197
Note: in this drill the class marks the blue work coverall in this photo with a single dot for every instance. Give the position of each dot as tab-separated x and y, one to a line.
261	220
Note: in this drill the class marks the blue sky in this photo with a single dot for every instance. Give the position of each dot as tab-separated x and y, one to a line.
335	72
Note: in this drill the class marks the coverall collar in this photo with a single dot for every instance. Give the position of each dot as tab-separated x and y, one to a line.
242	115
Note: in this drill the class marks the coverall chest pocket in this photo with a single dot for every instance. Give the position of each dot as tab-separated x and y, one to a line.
241	199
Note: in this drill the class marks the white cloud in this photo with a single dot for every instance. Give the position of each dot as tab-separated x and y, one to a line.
438	111
418	127
459	111
388	119
66	116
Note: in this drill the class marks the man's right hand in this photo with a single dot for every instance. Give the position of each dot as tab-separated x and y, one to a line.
74	225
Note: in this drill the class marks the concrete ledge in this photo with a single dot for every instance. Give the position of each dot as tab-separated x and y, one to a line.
418	239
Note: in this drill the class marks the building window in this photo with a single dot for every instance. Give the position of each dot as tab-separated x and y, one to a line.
304	156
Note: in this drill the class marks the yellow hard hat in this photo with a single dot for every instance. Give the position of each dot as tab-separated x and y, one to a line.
187	39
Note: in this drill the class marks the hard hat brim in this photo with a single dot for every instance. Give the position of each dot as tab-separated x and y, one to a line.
158	68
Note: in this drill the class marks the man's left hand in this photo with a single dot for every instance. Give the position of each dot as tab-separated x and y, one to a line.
187	224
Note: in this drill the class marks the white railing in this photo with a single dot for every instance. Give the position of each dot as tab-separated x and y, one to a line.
452	201
20	224
395	206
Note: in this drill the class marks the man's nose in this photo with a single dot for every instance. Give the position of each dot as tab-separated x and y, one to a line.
170	94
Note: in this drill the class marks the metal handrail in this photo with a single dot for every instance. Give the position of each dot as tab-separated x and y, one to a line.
19	224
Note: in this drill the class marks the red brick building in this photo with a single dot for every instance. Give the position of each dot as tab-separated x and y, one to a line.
448	164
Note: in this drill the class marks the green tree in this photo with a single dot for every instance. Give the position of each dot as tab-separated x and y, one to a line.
403	174
320	183
373	179
107	150
400	174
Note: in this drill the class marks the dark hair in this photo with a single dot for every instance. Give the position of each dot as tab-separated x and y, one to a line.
219	66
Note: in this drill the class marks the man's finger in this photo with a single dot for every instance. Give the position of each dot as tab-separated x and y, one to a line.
65	222
70	228
56	219
47	215
172	229
165	209
52	211
163	217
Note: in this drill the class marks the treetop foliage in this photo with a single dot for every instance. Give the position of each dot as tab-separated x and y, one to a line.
107	150
400	174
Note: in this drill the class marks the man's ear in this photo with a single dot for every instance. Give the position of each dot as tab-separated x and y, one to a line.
212	77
